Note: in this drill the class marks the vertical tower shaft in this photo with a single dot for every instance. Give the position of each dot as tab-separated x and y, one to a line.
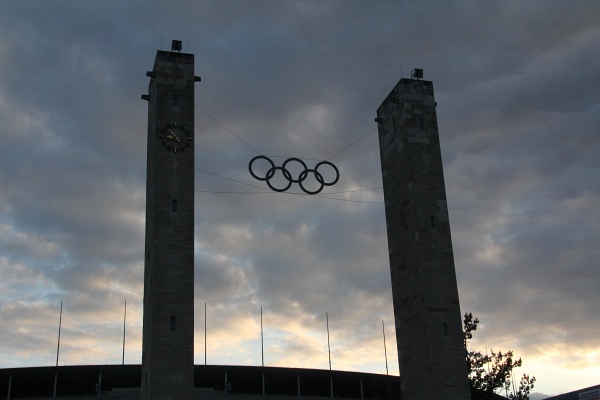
168	337
425	295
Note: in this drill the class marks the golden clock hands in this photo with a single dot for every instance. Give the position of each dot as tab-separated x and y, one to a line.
174	136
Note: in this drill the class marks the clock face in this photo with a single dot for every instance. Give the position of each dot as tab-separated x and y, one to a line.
175	138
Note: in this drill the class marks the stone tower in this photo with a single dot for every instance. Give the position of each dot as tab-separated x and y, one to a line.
424	289
168	335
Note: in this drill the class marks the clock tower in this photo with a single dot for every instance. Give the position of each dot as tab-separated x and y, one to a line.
168	333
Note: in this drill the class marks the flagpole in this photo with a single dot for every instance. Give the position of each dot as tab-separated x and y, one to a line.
384	348
262	350
124	320
59	326
329	351
262	345
204	333
57	350
328	344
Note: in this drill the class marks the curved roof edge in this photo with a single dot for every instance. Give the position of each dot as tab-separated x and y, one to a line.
210	381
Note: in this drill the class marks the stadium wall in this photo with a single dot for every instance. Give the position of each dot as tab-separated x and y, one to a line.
210	381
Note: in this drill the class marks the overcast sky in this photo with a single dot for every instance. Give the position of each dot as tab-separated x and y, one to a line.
518	91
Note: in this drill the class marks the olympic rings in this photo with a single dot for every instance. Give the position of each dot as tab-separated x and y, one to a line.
291	179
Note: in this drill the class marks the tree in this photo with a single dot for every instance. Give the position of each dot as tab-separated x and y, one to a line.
489	373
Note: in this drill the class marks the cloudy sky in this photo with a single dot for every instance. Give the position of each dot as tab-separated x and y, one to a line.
518	91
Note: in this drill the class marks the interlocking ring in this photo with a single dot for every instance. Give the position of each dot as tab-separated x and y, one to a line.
290	178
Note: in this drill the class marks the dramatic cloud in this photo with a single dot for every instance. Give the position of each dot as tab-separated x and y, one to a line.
519	114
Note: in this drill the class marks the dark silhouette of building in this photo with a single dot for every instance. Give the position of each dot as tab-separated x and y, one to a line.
168	337
424	289
211	382
589	393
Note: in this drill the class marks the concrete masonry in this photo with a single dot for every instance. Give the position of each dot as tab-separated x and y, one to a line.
424	289
168	334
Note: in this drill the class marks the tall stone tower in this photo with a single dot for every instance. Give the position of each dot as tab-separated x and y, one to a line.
424	289
168	336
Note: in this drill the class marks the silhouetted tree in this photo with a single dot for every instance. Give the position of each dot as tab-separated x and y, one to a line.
489	373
